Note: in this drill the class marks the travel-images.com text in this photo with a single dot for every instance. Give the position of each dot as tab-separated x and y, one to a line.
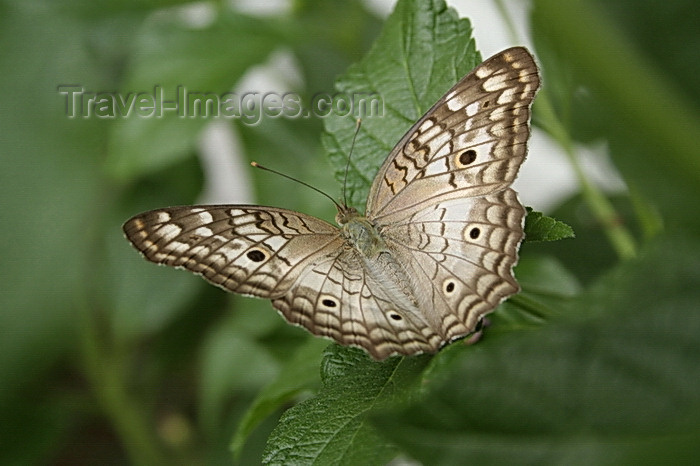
249	107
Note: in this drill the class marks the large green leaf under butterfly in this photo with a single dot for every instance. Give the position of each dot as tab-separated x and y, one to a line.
433	253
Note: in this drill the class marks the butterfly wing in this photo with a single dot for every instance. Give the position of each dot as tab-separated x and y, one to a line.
470	143
314	278
440	202
259	251
344	297
460	254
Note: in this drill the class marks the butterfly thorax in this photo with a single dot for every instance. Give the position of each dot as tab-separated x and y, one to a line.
360	232
378	260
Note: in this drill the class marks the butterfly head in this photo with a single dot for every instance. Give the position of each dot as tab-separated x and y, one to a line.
346	214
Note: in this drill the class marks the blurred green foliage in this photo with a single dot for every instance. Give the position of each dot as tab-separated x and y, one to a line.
108	359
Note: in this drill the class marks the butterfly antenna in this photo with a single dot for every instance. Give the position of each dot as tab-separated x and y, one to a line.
347	164
257	165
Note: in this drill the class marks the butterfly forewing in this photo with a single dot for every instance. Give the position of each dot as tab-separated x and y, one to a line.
252	250
470	143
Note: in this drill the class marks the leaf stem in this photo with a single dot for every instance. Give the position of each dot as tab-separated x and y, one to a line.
106	369
620	238
638	90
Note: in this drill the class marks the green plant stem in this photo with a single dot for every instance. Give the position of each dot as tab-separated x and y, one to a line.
532	307
637	90
510	24
620	238
105	367
650	219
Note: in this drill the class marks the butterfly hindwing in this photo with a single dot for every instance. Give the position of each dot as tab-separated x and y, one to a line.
460	254
347	298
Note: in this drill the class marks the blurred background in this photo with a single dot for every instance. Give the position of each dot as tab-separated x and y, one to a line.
107	359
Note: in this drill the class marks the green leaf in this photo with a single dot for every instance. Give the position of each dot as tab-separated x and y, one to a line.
590	255
423	50
300	373
332	427
539	227
346	28
232	362
142	298
547	289
171	58
51	193
601	387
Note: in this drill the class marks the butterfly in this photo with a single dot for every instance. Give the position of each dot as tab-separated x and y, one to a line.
433	253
